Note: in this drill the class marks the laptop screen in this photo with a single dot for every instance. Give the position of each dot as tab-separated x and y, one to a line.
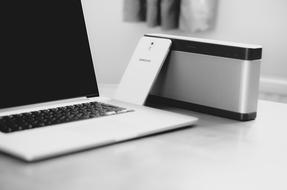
45	53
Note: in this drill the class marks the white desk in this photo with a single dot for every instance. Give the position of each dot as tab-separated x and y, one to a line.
215	154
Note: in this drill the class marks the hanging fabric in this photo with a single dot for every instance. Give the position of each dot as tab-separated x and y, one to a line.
134	10
197	15
187	15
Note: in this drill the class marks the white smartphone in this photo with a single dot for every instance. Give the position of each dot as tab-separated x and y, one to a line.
142	70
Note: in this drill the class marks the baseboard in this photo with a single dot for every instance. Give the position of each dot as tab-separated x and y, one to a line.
273	85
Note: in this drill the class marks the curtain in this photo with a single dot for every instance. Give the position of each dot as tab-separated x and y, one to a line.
187	15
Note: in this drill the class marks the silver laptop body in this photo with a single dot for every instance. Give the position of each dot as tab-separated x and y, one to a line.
53	140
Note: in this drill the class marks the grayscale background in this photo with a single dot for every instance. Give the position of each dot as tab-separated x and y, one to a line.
257	22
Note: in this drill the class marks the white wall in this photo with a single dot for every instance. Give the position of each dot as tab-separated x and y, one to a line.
248	21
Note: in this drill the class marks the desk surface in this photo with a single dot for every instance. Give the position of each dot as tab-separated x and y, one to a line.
217	153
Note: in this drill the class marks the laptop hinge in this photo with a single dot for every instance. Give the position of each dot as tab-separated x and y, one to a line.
92	96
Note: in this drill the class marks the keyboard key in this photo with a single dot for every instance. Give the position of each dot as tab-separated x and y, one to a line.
47	117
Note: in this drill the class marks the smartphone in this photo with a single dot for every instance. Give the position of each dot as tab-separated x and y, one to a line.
142	70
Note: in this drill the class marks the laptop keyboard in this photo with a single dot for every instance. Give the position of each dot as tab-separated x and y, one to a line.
47	117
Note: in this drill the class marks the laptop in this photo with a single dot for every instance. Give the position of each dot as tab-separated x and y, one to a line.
49	100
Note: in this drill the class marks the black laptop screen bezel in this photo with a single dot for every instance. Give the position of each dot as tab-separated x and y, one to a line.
89	86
